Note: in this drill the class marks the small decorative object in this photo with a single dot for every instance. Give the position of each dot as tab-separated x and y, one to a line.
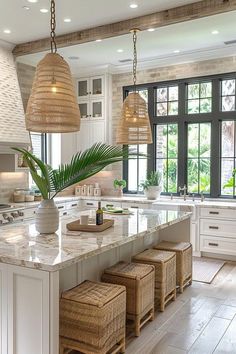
134	125
90	190
52	106
78	190
120	184
51	181
152	185
99	215
97	192
84	219
84	190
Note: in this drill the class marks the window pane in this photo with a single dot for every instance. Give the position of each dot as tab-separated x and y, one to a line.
193	106
193	91
142	168
228	139
162	109
228	103
206	89
199	157
144	94
173	93
133	172
36	139
167	155
172	108
228	87
162	94
227	166
205	105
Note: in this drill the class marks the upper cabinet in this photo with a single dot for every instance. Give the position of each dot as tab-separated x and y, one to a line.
91	88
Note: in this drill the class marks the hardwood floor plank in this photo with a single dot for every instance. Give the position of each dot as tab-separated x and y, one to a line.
210	336
228	341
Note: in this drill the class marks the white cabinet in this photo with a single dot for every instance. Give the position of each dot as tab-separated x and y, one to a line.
90	133
3	308
134	205
92	87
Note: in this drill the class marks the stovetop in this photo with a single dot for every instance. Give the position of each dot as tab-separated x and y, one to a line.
10	213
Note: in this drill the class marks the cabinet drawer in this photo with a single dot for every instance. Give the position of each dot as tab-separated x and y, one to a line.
135	205
218	213
72	205
218	245
90	204
214	227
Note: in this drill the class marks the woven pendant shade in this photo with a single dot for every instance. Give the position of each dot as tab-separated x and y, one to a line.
52	106
134	126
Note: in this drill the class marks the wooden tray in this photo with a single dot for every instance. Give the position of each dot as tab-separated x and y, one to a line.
76	226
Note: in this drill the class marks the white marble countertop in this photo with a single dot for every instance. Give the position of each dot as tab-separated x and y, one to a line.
21	245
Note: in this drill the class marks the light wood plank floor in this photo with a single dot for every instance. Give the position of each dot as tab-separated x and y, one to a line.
201	320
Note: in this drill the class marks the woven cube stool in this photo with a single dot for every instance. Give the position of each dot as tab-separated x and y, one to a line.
183	252
139	280
92	318
165	274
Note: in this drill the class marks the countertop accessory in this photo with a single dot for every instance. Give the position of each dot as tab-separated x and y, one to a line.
77	226
134	125
92	318
52	106
97	192
82	166
116	211
152	185
47	217
84	219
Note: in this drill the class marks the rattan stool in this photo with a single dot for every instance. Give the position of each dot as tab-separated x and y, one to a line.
92	318
139	280
183	252
165	274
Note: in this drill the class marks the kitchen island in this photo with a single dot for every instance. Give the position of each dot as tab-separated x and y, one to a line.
34	269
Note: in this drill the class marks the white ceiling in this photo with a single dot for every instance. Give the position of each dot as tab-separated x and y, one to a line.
32	24
194	40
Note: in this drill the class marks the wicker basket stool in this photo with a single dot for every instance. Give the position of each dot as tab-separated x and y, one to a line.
139	280
165	274
183	252
92	318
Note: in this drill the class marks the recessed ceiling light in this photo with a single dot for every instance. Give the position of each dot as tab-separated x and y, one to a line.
67	20
120	50
73	57
151	29
215	32
44	11
133	6
98	40
7	31
176	51
27	8
33	1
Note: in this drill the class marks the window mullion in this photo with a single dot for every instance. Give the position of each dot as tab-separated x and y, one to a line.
182	138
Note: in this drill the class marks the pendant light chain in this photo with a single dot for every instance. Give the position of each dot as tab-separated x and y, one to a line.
53	27
135	59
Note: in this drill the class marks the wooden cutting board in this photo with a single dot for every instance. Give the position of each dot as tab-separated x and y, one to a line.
77	226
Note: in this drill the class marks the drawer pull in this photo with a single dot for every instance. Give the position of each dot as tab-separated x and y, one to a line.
65	213
73	205
134	207
213	244
214	212
214	227
89	203
61	207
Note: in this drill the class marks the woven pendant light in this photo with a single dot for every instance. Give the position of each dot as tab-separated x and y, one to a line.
52	106
134	125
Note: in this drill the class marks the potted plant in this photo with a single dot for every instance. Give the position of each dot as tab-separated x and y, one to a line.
52	181
231	183
152	185
119	184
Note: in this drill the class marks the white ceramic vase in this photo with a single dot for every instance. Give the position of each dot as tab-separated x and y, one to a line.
153	192
47	217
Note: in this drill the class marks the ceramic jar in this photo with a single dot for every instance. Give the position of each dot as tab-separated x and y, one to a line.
47	217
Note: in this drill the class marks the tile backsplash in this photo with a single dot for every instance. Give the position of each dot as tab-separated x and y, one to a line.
10	181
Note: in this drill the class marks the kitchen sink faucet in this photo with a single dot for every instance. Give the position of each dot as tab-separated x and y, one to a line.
184	190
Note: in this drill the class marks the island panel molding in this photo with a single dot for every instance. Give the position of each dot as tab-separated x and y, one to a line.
179	14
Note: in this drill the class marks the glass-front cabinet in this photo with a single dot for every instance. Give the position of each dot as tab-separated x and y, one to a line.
92	87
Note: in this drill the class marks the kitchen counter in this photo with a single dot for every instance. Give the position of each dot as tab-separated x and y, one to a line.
21	245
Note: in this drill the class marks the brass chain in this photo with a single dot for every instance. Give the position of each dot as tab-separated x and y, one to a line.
135	59
53	27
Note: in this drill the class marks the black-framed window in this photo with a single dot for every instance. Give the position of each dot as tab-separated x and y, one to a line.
204	123
39	145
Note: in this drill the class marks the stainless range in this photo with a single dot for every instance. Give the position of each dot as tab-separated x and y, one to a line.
10	213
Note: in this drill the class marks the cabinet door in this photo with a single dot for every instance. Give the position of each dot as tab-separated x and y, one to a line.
97	86
84	110
97	132
83	88
3	308
97	109
83	136
28	311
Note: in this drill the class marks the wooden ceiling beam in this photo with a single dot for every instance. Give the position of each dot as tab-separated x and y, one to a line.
179	14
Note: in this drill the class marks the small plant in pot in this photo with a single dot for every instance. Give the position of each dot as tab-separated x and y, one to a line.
152	185
51	181
119	184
